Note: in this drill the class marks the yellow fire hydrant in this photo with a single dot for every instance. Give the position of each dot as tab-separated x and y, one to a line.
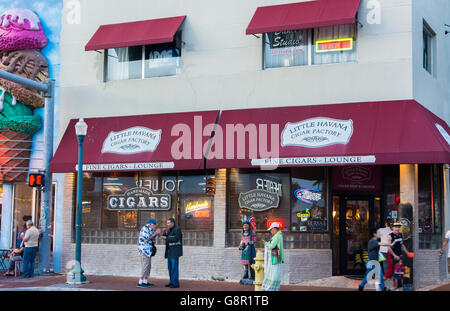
258	266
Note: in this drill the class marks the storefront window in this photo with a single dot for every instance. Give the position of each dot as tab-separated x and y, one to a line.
430	206
241	182
23	208
334	44
140	62
308	200
269	197
286	48
391	188
117	205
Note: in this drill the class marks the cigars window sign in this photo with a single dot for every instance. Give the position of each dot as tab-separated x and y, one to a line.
139	198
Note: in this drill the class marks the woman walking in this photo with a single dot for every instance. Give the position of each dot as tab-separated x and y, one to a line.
273	258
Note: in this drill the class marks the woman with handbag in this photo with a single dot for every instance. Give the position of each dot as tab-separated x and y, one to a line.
273	258
147	250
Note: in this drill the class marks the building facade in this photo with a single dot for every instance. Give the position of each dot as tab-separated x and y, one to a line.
339	114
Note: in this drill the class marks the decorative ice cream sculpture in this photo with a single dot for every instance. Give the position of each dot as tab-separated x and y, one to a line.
21	39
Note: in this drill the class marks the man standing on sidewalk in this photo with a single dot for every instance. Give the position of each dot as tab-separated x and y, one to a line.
442	250
146	250
174	250
30	241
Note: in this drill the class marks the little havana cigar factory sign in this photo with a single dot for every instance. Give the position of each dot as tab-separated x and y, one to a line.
133	140
265	196
317	132
139	199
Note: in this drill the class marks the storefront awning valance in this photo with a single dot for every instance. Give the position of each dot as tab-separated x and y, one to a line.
152	31
303	15
137	143
394	132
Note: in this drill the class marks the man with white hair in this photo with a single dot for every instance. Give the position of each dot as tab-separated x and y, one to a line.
30	241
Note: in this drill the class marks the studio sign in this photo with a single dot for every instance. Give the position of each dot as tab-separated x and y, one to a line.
133	140
284	39
258	200
139	199
317	132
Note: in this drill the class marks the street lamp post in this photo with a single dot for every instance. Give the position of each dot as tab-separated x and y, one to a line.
77	272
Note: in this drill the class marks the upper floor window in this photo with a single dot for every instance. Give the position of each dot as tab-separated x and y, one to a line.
140	62
429	48
323	45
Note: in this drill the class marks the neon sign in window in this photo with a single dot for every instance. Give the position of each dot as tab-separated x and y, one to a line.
334	45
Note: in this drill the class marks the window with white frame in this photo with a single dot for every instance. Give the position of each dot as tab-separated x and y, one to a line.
140	62
323	45
429	42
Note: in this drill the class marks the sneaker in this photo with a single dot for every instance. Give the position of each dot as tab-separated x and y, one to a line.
142	285
168	285
360	288
174	286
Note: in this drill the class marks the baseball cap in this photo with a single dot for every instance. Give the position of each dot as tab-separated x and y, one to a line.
151	221
273	225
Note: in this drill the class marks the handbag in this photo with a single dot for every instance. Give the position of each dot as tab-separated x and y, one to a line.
276	256
153	248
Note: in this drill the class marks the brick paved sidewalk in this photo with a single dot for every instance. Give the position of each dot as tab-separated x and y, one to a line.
112	283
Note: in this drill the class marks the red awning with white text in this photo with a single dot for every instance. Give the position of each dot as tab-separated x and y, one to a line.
172	141
370	133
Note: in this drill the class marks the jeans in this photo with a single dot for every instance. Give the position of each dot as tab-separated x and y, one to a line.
29	255
172	265
370	267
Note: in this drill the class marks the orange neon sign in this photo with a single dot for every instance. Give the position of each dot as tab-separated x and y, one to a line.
334	45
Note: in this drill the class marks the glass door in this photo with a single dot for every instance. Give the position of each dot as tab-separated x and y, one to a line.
358	215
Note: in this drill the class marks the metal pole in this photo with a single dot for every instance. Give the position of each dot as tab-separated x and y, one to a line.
77	272
45	221
43	87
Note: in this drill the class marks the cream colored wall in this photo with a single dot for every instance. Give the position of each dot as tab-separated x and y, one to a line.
432	91
222	66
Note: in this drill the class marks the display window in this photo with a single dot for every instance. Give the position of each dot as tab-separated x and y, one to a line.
295	198
116	205
430	206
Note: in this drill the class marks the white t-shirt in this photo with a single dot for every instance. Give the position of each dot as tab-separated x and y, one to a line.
384	233
447	236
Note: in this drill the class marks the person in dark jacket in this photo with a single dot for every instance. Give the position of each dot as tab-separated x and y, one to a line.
174	250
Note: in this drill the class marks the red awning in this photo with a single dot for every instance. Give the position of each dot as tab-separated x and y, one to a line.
152	31
394	132
303	15
137	143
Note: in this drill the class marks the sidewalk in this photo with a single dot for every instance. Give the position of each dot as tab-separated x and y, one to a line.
112	283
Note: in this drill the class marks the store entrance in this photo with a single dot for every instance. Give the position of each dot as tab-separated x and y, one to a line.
353	218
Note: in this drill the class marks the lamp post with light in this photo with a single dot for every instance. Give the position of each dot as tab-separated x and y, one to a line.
77	272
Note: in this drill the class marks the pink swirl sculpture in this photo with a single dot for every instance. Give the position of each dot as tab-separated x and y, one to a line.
21	29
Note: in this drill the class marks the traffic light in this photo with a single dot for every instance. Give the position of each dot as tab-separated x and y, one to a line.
36	180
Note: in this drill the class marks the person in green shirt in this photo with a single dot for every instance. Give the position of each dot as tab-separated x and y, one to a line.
273	258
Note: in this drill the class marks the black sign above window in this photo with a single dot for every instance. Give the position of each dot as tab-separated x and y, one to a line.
285	39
